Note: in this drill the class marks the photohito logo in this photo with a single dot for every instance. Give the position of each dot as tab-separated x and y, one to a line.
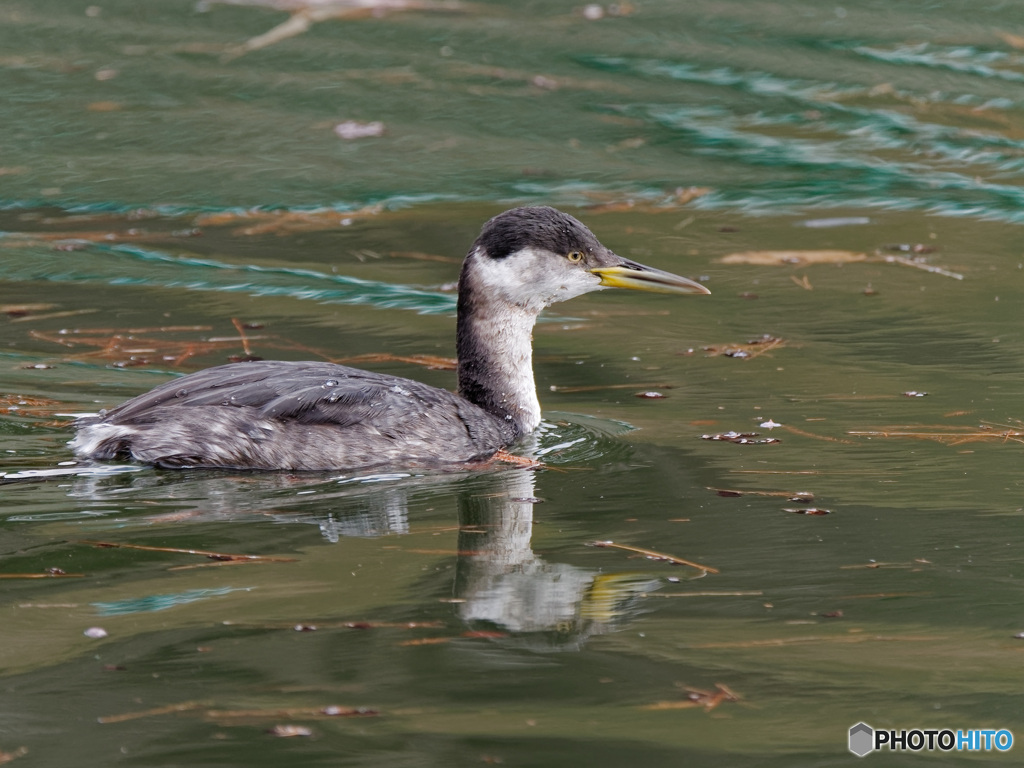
864	740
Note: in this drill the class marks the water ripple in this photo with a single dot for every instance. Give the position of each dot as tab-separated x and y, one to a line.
837	149
962	58
120	264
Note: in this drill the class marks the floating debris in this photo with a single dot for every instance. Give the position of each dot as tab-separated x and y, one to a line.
793	258
741	438
797	496
306	13
798	258
695	697
750	349
948	435
51	573
353	129
290	731
200	552
650	554
917	248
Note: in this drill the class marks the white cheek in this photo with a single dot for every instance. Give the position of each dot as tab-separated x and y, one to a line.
534	279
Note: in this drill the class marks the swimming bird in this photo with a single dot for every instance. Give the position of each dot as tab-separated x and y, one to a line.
275	415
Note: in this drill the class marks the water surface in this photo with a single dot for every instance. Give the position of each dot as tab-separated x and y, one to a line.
172	201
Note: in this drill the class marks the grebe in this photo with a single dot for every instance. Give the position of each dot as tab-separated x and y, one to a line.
322	416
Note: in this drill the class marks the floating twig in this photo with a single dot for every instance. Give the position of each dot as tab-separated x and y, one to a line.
947	435
803	282
650	554
914	564
808	258
804	433
801	496
519	461
601	387
48	575
781	642
315	625
241	334
749	350
329	711
697	698
431	362
185	706
752	593
472	634
199	552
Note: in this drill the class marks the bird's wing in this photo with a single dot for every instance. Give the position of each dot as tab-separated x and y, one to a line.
306	393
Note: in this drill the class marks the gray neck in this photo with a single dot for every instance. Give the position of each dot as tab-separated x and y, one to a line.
495	349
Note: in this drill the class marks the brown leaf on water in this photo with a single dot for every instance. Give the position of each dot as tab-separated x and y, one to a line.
1012	40
35	407
7	757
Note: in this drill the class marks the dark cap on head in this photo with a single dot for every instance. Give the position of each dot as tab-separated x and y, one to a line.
538	226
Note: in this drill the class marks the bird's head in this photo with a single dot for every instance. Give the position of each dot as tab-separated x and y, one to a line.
535	256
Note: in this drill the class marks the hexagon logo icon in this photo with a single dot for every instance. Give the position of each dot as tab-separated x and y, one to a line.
862	739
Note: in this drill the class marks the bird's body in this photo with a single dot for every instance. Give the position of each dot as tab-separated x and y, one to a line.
319	416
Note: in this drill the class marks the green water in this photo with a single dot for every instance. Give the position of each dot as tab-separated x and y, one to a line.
156	185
